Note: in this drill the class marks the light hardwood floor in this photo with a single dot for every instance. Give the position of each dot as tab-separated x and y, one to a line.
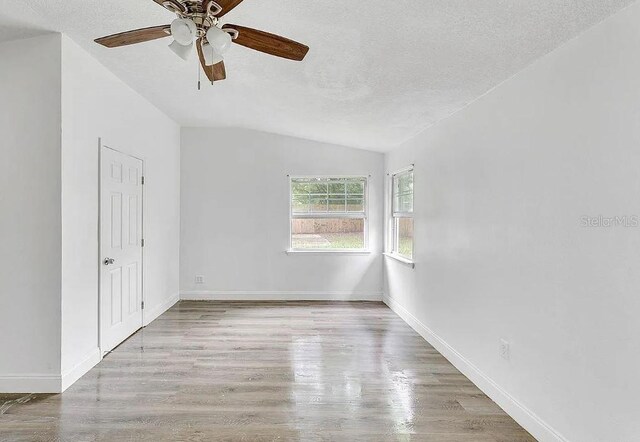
268	371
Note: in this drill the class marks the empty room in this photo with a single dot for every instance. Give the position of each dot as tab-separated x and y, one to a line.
302	220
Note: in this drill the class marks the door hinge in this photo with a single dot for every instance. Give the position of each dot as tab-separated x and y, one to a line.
142	305
142	181
142	242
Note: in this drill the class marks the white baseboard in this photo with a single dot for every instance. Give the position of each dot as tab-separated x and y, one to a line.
36	383
214	295
521	414
30	383
80	369
151	314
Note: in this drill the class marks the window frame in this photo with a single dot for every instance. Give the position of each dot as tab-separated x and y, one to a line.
394	217
319	215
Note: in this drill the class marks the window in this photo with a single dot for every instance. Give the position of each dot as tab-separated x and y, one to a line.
402	226
329	213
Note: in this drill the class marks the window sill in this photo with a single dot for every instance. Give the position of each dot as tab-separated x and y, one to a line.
327	252
399	258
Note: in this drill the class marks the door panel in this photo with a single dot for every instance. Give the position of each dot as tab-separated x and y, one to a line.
132	278
116	221
120	247
115	281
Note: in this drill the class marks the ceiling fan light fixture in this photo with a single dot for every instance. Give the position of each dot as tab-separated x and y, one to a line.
180	50
219	40
211	56
183	31
198	24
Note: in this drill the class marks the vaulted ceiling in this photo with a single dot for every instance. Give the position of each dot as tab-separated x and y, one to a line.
378	72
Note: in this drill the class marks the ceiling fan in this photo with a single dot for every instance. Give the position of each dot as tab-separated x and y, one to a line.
198	24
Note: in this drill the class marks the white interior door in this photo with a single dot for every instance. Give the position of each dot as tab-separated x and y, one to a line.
120	247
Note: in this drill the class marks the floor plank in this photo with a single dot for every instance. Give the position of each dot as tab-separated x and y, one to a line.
308	371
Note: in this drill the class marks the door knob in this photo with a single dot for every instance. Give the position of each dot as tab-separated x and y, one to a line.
108	261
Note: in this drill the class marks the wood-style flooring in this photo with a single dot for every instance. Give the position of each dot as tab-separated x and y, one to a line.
246	371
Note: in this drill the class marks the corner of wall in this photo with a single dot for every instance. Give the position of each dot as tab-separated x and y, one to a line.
150	315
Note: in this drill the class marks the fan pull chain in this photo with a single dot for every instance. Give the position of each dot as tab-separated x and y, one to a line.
198	76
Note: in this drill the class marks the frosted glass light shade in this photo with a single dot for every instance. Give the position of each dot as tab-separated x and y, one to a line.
181	51
218	39
183	31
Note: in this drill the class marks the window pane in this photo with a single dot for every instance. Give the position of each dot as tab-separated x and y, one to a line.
300	203
355	188
318	204
405	203
299	187
336	204
355	205
318	188
327	233
404	237
403	192
337	188
327	195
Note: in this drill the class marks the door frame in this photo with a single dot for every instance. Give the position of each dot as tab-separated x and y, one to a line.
101	146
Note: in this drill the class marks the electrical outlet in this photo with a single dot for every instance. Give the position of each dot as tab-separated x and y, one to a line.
504	349
199	279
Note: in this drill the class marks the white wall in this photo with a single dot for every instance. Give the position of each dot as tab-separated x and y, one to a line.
235	218
30	241
53	113
500	190
96	104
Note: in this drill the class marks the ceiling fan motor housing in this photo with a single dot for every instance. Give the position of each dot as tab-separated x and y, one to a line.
203	14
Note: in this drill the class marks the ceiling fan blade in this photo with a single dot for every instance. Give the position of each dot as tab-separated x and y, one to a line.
269	43
135	36
214	72
219	71
226	5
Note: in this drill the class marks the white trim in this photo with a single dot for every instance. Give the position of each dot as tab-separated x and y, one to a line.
37	383
327	252
30	383
330	215
99	257
521	414
102	145
401	259
154	313
392	227
222	295
80	369
301	177
404	169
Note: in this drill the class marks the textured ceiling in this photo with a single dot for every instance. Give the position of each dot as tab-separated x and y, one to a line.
378	72
18	20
